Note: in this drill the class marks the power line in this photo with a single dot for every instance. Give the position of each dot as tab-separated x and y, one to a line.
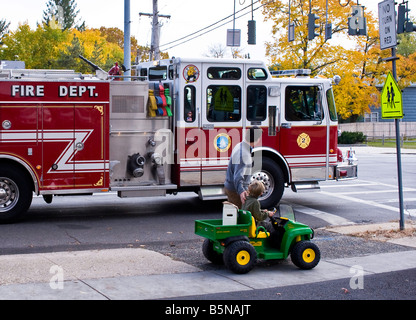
205	28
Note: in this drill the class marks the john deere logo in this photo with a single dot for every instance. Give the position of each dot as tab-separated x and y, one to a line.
303	140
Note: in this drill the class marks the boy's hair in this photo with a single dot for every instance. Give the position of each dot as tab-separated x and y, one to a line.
256	188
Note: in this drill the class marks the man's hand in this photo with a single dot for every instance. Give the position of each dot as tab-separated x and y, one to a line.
243	196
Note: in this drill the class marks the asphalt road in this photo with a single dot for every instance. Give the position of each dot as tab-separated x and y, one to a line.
166	225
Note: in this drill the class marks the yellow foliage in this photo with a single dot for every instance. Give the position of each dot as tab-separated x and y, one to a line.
357	59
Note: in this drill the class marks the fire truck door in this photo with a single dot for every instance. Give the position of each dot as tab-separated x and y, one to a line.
91	134
74	149
303	135
190	144
58	138
221	119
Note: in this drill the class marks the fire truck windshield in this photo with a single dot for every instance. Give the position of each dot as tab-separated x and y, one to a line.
158	73
331	105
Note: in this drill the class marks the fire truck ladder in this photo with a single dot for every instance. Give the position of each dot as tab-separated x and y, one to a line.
291	73
42	74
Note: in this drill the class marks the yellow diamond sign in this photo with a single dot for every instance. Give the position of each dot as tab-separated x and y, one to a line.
391	99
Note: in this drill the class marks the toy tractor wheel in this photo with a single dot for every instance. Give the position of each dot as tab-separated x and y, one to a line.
305	255
210	253
240	257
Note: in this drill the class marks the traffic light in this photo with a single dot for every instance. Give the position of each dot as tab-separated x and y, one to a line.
328	31
291	32
312	26
251	32
403	22
401	18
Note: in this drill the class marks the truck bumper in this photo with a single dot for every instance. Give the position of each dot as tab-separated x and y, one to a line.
346	171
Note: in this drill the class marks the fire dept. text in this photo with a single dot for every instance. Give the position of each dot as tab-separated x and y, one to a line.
77	91
63	91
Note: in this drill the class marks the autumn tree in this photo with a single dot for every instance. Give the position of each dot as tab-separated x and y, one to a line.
355	59
38	48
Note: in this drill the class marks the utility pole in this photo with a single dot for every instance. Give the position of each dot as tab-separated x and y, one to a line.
127	41
154	46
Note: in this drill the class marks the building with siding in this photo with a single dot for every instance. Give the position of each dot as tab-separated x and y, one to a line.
373	126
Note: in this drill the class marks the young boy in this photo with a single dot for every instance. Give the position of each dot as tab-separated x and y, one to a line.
252	204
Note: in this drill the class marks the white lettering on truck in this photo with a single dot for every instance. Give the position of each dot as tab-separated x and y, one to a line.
28	90
77	91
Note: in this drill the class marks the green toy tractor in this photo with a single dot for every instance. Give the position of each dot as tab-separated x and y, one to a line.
239	245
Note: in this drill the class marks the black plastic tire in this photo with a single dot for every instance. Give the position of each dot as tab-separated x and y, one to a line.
240	257
210	253
15	193
305	255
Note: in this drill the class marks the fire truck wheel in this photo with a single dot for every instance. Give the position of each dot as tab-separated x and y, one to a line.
272	177
15	194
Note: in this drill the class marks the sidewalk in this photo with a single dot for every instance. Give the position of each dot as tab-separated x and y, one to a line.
364	150
138	274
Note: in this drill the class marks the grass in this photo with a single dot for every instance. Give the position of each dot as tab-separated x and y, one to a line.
391	143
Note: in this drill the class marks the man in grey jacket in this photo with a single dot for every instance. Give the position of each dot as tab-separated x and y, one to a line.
240	166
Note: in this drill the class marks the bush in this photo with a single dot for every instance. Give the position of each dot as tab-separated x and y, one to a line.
351	137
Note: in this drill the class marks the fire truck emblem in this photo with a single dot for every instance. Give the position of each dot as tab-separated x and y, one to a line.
303	140
191	73
222	142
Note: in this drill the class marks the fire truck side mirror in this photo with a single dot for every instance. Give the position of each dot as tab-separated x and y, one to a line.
336	79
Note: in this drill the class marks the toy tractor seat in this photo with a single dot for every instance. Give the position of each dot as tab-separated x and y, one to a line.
245	217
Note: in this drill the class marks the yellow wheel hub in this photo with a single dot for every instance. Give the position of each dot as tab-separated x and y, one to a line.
308	255
243	257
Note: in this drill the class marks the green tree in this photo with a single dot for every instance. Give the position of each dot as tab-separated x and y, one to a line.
38	48
69	57
62	14
4	26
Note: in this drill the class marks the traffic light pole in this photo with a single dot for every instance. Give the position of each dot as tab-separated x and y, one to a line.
398	148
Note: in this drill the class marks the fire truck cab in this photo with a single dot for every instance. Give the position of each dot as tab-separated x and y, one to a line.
170	129
216	99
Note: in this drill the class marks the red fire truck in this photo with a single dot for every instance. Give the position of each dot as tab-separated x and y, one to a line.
170	129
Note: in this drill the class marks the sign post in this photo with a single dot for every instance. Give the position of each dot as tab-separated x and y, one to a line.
391	97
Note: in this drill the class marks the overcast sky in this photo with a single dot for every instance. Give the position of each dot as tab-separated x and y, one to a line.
187	16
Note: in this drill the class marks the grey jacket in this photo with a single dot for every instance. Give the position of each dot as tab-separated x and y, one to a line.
239	168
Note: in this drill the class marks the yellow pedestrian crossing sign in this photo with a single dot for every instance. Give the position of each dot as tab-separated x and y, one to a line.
391	99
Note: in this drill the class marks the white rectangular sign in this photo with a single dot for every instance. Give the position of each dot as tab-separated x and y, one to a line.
387	24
